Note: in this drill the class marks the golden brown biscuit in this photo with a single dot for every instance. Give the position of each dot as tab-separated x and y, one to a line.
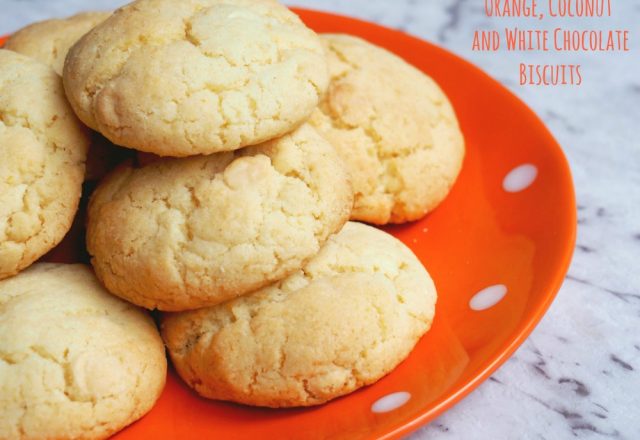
43	148
49	41
75	362
393	126
183	233
179	78
350	316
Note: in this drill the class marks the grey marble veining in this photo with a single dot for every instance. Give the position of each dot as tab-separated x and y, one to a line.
578	375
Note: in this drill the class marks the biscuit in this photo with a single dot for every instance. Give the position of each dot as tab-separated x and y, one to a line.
197	76
75	362
349	317
393	126
43	148
183	233
49	41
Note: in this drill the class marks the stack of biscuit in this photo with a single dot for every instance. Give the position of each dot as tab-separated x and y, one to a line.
257	142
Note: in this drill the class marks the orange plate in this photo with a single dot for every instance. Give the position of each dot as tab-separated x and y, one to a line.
481	236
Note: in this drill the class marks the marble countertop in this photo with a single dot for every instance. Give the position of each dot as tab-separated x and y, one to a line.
578	374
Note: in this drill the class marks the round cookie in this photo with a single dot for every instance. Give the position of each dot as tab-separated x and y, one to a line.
197	76
393	126
49	41
75	362
349	317
43	148
183	233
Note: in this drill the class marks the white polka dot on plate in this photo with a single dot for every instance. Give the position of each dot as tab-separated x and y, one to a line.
488	297
390	402
520	178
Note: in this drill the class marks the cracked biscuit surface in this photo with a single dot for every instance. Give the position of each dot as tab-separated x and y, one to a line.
196	76
393	126
350	316
183	233
49	41
43	149
75	361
